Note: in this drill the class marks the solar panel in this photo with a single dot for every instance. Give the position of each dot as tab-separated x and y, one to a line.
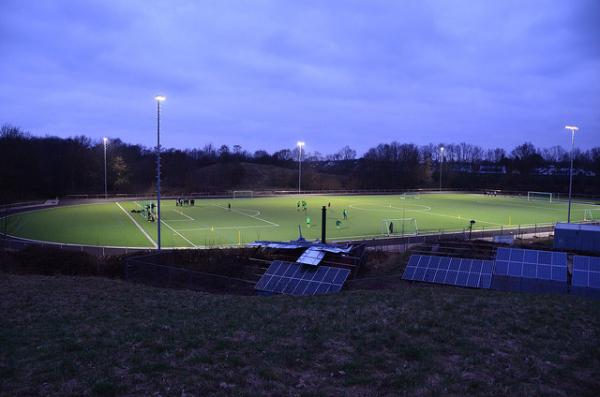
295	279
463	272
311	257
586	271
534	264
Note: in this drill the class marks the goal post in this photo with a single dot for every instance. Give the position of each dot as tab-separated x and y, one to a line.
539	196
410	195
399	227
243	194
591	215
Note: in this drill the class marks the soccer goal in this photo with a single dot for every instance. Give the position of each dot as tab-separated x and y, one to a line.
539	196
591	215
410	195
243	194
399	227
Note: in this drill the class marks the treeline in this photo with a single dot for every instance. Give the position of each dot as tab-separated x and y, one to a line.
42	167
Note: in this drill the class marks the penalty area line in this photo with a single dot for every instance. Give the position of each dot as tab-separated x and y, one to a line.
174	231
137	224
250	216
187	216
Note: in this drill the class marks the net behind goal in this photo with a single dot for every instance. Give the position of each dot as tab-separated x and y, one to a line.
243	194
410	195
399	227
591	215
541	196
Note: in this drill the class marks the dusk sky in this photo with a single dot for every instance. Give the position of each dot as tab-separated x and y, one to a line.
264	74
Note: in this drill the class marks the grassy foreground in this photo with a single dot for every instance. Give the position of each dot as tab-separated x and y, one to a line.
92	336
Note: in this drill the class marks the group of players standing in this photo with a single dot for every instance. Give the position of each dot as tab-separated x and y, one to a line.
180	202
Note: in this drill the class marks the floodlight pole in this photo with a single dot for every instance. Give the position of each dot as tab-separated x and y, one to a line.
572	129
105	140
159	99
441	165
300	145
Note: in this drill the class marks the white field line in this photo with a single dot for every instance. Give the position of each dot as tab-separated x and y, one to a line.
425	212
179	234
383	207
138	225
174	231
465	219
187	216
224	228
251	216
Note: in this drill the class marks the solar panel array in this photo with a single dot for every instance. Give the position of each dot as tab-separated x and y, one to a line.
295	279
586	271
535	264
475	273
311	257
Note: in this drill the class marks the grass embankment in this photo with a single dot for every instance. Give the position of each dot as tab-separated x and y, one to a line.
74	336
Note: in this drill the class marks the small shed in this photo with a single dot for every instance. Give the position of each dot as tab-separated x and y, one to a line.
579	237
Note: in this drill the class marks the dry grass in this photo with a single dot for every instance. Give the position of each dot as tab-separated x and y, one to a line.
91	336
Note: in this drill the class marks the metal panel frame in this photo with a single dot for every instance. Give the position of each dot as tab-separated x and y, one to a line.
461	272
291	278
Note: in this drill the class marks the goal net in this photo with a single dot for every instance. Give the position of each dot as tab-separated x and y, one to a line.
243	194
399	227
591	215
410	195
539	196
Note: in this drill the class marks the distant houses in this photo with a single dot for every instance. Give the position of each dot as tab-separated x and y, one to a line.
493	169
562	171
478	169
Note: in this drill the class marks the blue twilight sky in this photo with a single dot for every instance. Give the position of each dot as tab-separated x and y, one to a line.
264	73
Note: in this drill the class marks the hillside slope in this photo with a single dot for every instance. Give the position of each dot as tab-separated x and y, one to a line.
261	176
92	336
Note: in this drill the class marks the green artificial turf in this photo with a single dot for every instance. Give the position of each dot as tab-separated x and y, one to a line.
211	223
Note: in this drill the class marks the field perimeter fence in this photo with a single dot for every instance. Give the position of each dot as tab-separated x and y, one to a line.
291	192
376	242
144	270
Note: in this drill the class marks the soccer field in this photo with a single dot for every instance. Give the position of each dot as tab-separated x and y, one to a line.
210	222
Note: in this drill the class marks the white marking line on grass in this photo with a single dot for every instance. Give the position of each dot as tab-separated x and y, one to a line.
383	207
174	231
137	224
187	216
465	219
224	228
425	212
179	234
251	216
